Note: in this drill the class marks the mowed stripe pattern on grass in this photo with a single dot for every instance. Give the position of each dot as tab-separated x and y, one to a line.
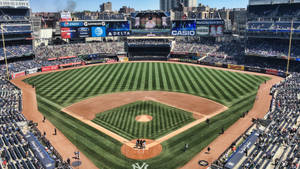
121	120
67	87
56	90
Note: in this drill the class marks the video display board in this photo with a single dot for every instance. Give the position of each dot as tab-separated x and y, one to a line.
150	22
118	28
183	28
210	27
84	29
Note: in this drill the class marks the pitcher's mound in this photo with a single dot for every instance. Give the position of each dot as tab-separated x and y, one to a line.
143	118
132	152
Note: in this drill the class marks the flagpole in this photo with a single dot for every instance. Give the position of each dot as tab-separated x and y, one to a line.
4	50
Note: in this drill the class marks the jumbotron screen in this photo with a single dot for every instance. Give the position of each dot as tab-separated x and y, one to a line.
150	22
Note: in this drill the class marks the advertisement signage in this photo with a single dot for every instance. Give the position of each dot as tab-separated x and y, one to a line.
120	28
236	67
98	31
183	28
49	68
272	71
88	29
150	22
65	16
216	30
31	71
202	30
210	22
71	24
18	74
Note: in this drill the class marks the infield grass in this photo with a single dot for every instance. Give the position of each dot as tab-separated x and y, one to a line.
60	89
121	120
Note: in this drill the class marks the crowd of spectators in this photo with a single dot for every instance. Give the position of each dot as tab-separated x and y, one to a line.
272	49
79	49
194	47
16	28
16	51
277	145
15	150
148	42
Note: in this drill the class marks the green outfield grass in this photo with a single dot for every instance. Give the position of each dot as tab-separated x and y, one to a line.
121	120
57	90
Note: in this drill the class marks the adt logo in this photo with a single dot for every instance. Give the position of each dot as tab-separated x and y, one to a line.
98	32
137	166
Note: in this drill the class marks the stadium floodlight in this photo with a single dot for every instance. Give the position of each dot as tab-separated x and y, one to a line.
4	51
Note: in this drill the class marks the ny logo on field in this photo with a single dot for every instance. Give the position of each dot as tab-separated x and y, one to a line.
137	166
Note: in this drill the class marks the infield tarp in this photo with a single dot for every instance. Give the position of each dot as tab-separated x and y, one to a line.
40	152
239	153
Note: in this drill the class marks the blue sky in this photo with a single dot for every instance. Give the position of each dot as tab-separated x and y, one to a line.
93	5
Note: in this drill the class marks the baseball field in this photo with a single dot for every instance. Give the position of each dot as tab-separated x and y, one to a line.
65	89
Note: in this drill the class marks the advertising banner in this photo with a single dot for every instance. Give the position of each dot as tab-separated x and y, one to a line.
202	30
30	71
49	68
183	28
298	59
98	31
18	74
216	30
282	74
236	67
120	28
254	69
239	153
71	24
272	71
52	59
65	16
218	64
70	64
40	152
67	57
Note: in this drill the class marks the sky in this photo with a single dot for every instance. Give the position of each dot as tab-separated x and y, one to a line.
93	5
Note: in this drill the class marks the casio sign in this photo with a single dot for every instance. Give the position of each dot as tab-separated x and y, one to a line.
183	33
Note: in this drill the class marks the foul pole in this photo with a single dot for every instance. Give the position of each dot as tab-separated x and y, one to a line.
290	46
4	50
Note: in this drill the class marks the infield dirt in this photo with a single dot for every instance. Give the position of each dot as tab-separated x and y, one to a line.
66	148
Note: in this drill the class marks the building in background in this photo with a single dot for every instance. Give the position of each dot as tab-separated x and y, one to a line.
167	5
106	7
126	10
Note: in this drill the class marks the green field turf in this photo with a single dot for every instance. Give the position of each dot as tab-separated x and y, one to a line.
57	90
121	120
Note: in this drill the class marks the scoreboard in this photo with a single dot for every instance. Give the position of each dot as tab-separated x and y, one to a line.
85	29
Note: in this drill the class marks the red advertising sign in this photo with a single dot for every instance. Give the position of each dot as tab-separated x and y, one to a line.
15	75
66	33
272	71
49	68
70	64
52	59
67	57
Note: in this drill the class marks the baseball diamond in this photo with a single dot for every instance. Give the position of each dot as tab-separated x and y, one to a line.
57	90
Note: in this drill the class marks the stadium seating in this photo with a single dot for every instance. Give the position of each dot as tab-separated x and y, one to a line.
277	145
15	150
